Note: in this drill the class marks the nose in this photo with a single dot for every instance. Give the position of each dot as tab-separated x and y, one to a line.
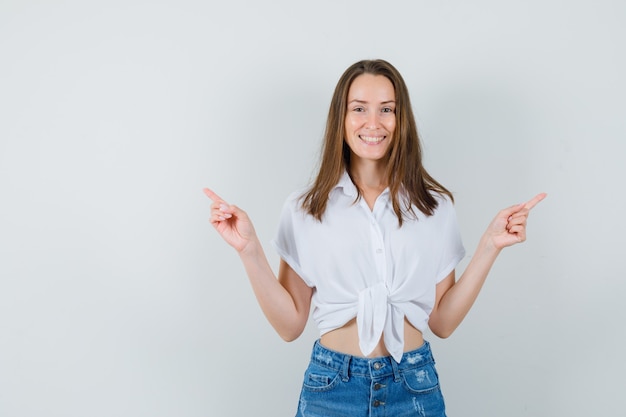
372	120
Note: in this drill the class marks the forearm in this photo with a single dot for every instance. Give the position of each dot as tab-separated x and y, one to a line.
459	298
275	301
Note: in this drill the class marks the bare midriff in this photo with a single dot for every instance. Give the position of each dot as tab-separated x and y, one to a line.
346	340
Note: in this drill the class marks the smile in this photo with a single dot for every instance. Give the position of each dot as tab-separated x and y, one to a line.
372	140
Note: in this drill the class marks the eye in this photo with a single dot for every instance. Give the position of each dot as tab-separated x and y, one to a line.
358	109
387	110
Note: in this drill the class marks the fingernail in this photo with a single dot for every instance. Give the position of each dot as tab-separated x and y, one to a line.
223	207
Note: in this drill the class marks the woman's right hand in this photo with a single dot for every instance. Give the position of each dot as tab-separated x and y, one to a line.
232	223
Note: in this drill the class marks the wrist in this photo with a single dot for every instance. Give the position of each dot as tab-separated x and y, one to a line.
488	246
250	249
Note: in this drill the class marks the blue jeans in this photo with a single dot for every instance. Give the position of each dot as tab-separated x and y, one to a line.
340	385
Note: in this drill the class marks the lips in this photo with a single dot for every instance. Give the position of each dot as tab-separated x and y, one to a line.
372	140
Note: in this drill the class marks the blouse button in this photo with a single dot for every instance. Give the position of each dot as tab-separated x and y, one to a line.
379	251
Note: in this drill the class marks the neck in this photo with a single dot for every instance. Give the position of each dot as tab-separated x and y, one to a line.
369	175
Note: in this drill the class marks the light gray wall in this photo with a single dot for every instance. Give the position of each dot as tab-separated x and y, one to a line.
118	299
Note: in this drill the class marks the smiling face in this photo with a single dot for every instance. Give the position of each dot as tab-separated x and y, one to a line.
370	117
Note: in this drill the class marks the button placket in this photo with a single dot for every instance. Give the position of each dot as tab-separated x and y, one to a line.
378	245
378	393
378	386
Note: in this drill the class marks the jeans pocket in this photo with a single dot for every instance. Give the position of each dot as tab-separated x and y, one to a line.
319	378
422	380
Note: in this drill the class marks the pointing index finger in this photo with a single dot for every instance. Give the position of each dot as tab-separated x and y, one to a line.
535	200
214	197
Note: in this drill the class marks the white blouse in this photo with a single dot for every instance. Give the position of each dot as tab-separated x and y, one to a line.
361	264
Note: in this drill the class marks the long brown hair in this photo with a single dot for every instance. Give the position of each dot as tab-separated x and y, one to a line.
404	171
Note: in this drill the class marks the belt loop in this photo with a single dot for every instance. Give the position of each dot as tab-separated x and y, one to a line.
396	372
345	368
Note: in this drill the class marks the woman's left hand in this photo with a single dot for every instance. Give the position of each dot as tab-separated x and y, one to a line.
509	225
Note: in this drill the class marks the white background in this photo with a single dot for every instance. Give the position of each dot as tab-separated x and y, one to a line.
117	298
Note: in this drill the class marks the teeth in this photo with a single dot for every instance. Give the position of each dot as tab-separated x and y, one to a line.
372	139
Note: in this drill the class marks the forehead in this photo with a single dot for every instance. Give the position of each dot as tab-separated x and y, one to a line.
370	87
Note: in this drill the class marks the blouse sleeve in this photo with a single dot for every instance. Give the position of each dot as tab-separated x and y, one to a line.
285	243
452	251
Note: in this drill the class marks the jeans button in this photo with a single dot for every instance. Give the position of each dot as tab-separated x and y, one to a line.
378	403
377	386
377	365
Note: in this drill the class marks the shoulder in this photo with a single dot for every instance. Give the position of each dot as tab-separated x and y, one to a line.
443	200
293	202
445	205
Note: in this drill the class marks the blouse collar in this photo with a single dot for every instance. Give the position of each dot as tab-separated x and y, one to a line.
347	186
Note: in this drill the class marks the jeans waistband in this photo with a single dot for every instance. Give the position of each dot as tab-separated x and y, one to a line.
377	367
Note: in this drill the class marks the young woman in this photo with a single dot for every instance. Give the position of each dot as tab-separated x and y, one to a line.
373	244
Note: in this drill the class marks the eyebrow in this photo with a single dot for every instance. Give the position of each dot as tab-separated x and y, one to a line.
365	102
